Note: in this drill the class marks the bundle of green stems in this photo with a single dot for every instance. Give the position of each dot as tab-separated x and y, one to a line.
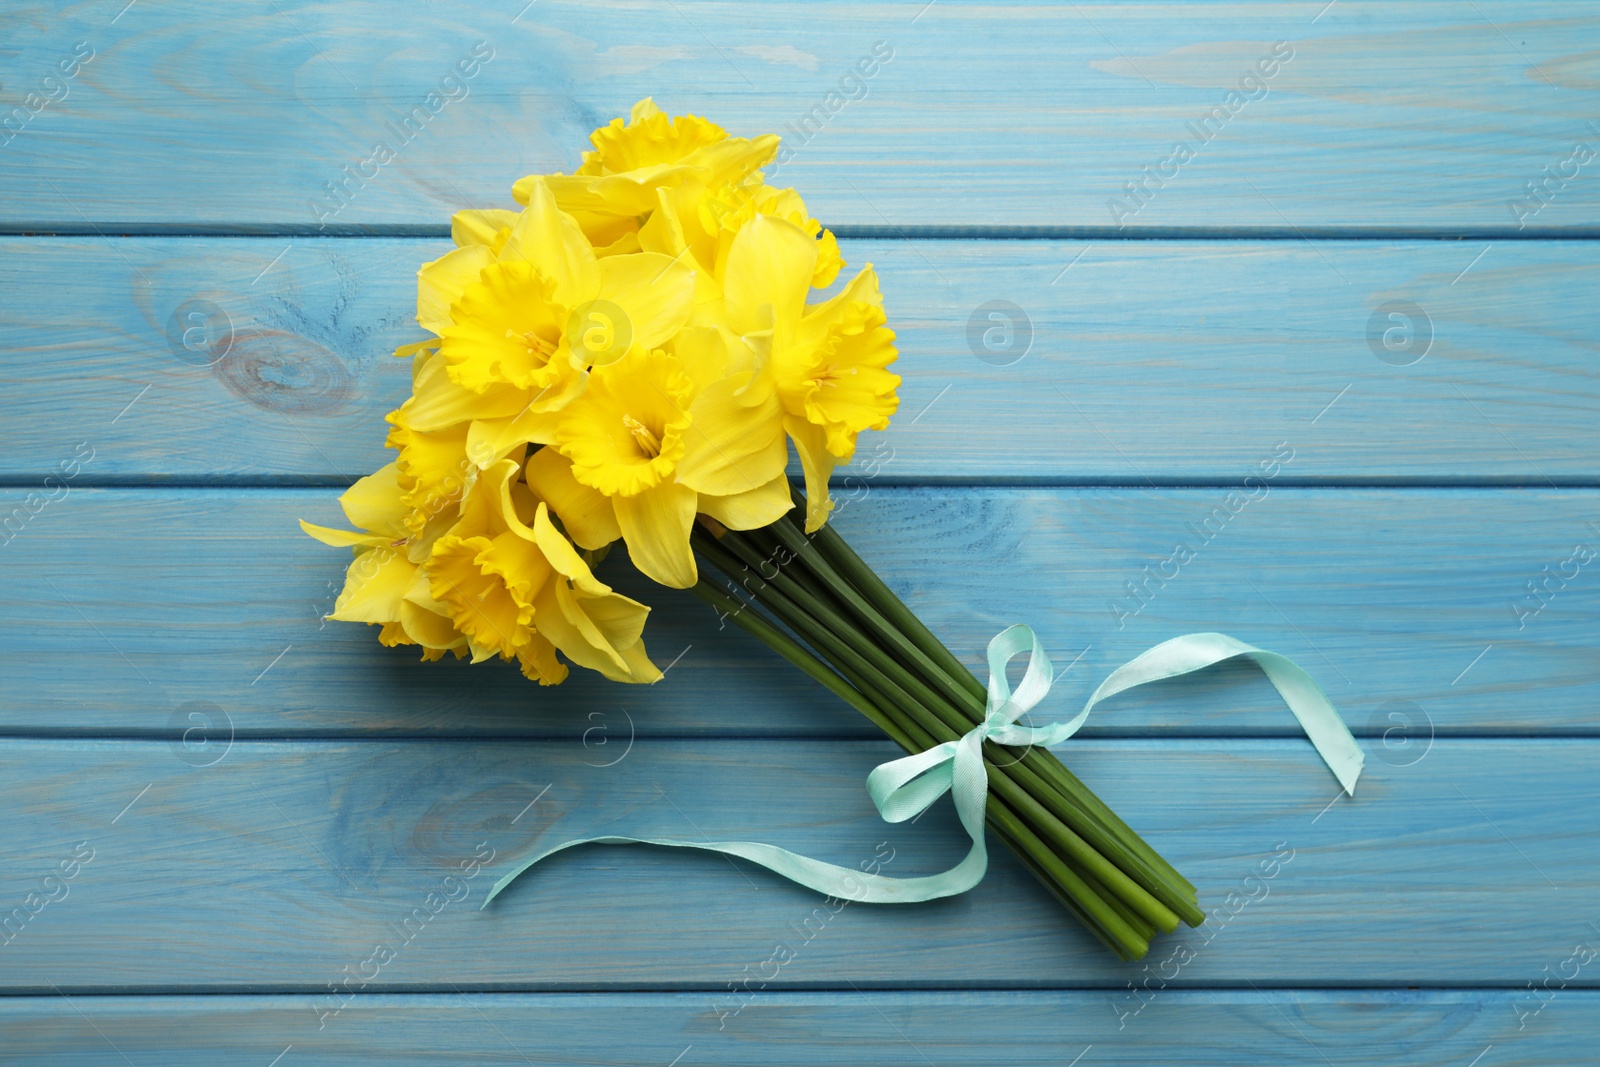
812	600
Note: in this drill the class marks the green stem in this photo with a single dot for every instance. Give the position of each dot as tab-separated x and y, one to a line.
814	561
791	650
877	593
1115	926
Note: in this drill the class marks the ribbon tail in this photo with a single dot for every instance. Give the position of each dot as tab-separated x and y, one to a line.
1317	716
845	883
1193	652
970	787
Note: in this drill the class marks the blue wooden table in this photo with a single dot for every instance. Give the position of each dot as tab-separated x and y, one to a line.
1309	288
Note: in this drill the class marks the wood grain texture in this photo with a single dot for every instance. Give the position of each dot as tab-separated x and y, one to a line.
1400	115
1136	363
130	606
1211	1029
264	799
284	862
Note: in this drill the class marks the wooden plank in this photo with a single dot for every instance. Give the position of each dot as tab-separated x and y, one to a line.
1206	1028
1403	603
285	862
1136	363
987	114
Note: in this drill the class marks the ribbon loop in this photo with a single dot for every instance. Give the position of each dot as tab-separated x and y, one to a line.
903	788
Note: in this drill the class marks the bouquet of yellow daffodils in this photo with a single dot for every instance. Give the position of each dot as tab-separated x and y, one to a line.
628	358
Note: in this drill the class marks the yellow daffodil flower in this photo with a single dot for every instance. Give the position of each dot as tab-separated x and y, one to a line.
826	361
522	312
515	586
631	351
649	437
618	181
702	223
383	584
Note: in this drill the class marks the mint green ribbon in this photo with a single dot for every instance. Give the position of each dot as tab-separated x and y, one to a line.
905	787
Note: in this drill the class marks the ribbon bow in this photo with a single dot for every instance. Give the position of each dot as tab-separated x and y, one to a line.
905	787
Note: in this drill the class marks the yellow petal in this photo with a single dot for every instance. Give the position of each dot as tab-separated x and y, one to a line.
497	503
751	510
625	188
770	264
625	433
575	609
654	292
434	469
508	329
830	261
650	138
519	564
601	633
579	641
481	606
731	159
626	244
733	446
810	443
439	403
552	240
428	629
639	668
420	595
440	283
563	557
342	538
614	195
586	513
498	489
703	354
491	440
539	662
731	207
609	234
374	586
663	231
481	226
377	503
618	618
861	289
655	524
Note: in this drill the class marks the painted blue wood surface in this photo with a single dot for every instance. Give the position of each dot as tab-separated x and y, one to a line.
1137	362
282	862
1302	1028
1406	114
1404	602
334	783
